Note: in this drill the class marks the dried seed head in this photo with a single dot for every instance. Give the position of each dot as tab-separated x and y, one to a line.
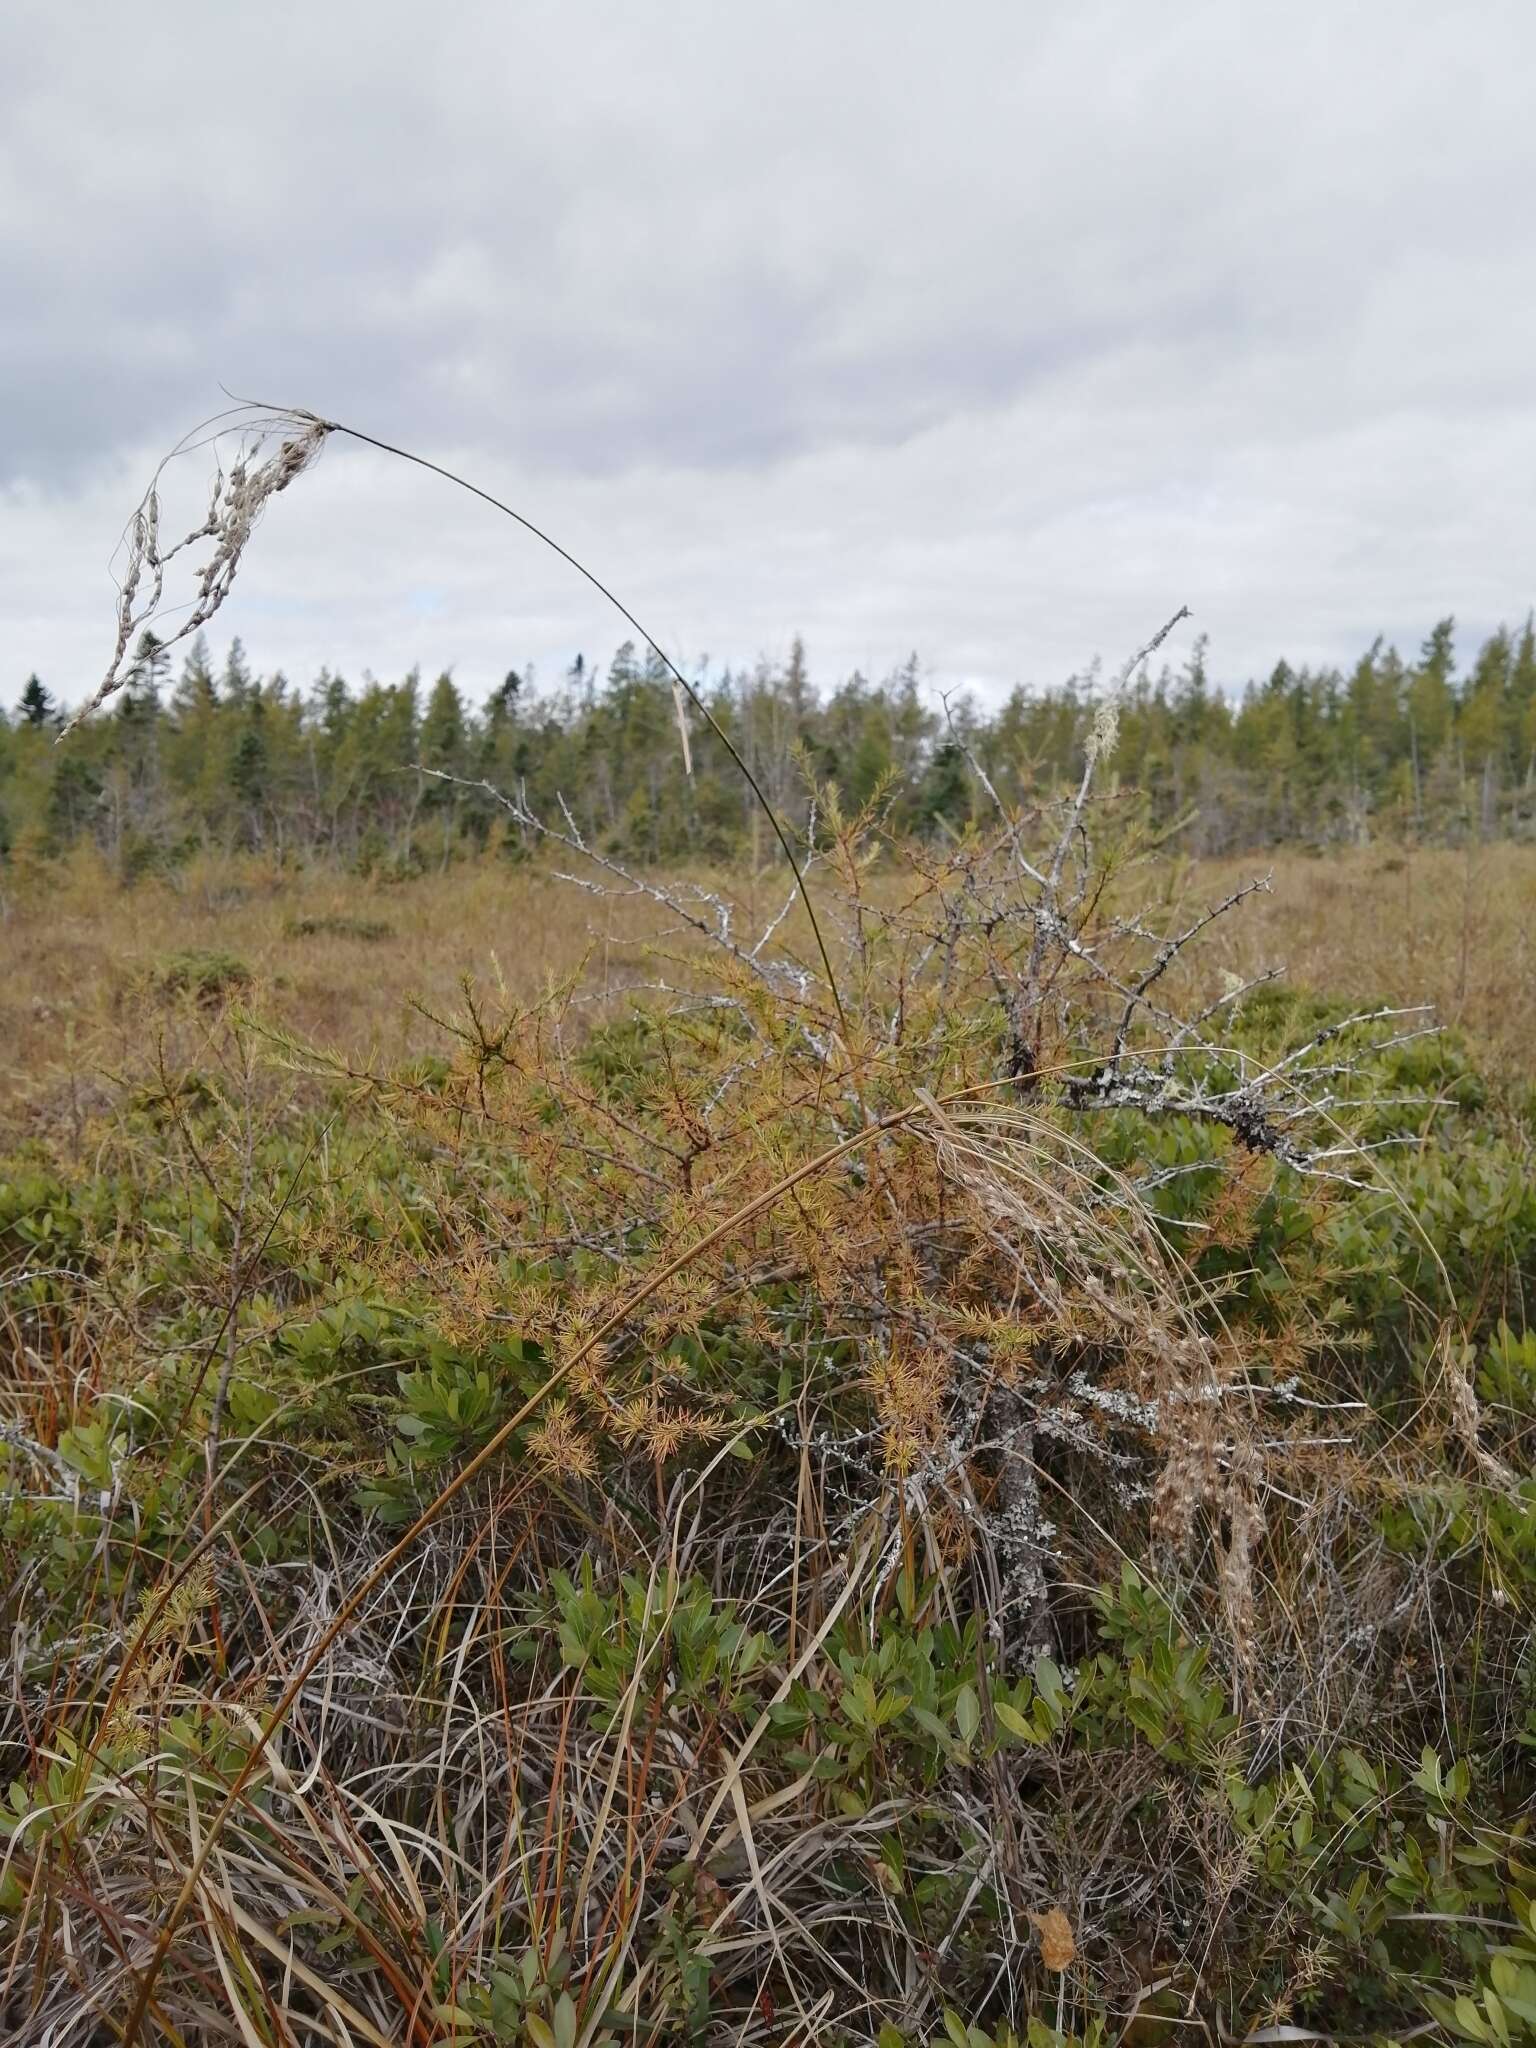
237	501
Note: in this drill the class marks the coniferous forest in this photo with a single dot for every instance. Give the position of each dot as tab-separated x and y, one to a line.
215	756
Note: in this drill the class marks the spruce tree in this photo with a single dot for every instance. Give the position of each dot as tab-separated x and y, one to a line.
36	706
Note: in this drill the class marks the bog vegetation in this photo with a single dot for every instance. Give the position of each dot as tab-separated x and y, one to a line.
944	1456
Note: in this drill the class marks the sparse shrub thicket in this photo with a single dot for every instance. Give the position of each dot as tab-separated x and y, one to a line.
946	1473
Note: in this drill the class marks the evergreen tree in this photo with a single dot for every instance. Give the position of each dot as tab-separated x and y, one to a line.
74	796
196	690
501	708
1431	700
1311	755
236	684
36	706
249	772
443	729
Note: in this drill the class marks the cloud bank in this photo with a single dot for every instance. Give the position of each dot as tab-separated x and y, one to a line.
994	331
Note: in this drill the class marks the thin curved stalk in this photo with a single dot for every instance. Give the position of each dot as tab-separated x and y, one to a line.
500	505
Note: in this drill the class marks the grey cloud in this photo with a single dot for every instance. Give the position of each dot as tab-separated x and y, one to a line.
1188	283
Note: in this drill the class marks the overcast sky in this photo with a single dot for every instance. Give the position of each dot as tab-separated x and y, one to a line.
994	330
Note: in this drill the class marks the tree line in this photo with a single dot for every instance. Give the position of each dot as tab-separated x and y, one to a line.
387	776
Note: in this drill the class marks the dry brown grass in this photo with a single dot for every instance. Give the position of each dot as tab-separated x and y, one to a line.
78	952
79	955
1455	929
